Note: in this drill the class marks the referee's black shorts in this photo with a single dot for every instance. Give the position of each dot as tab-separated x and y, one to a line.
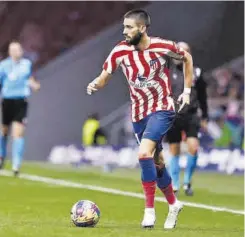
14	110
189	123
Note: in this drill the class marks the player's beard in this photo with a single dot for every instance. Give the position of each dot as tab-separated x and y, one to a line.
136	39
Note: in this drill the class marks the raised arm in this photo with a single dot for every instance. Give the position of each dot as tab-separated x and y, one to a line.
184	98
99	82
177	53
188	72
109	67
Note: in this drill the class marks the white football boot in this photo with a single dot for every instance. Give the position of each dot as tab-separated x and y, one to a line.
173	213
149	218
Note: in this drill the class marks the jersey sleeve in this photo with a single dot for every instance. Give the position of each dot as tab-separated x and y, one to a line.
113	61
175	51
1	73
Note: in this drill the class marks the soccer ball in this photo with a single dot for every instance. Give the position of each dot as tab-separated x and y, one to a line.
85	213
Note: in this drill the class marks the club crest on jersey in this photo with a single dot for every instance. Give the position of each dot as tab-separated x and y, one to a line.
153	63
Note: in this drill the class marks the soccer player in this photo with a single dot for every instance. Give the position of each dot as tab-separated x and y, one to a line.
188	121
16	81
144	61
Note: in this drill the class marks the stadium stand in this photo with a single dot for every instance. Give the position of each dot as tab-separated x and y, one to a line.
45	35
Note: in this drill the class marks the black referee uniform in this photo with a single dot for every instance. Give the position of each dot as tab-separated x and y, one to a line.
187	119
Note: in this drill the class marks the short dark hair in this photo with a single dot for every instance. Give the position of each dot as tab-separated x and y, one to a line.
14	41
140	15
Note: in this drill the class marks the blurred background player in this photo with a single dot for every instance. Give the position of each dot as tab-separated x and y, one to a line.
144	61
16	81
92	133
188	121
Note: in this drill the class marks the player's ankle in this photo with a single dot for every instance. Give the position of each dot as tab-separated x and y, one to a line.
149	208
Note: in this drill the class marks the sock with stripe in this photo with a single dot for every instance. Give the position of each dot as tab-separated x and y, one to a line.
164	184
148	177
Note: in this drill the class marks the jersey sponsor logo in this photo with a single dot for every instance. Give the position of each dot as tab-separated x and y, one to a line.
141	82
141	78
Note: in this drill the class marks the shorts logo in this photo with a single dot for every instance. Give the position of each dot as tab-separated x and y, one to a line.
145	133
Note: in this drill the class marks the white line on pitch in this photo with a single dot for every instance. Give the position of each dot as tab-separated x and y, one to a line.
65	183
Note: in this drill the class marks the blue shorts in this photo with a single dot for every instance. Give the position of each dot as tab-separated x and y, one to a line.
154	127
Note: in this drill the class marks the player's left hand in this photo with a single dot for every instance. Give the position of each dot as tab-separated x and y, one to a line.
184	99
35	86
91	88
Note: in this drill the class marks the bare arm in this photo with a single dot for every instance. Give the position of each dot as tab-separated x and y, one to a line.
177	53
188	70
102	80
99	82
184	98
109	67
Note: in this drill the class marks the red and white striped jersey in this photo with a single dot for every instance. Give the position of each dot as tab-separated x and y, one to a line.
147	74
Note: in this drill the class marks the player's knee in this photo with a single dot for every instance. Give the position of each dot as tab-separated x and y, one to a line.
160	159
193	148
17	133
193	151
174	149
16	136
175	153
146	149
143	154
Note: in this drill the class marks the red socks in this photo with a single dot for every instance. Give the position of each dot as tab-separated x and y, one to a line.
149	190
169	194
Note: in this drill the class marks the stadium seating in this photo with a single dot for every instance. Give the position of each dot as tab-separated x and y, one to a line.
45	35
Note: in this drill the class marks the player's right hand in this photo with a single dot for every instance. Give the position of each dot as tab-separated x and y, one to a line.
184	99
91	88
36	87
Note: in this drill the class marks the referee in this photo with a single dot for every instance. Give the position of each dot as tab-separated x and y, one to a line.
188	121
16	83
